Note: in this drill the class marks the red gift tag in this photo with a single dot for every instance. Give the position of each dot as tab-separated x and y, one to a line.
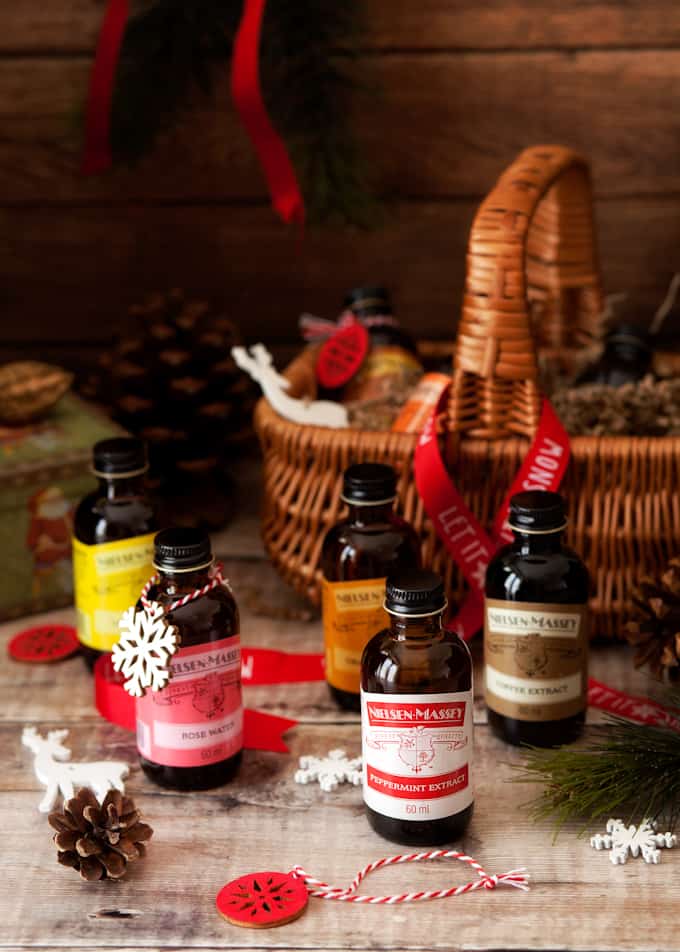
262	900
341	356
44	643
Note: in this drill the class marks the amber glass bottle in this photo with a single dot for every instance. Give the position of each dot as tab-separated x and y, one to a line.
357	556
536	628
190	734
113	532
627	357
417	718
392	360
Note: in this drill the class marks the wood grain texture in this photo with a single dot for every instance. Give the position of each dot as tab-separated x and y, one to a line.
72	25
431	126
69	276
578	900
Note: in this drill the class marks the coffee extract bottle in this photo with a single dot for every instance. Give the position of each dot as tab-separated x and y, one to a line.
190	734
536	628
417	718
357	556
113	533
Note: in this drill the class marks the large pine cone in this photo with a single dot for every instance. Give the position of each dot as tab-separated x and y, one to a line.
170	379
99	841
654	629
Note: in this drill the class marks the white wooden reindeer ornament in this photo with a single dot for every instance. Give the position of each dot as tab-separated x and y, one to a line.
258	363
54	769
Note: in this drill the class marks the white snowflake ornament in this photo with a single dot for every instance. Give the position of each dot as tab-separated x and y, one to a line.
146	644
625	841
330	771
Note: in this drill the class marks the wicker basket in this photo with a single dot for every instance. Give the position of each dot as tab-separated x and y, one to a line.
532	279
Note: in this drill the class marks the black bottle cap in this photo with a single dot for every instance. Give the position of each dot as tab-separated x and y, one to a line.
368	301
415	592
634	335
182	550
120	456
369	483
537	511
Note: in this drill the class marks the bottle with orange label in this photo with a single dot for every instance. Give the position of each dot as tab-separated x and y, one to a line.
357	556
113	532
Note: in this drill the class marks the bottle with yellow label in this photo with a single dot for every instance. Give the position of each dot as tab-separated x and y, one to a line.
113	532
357	556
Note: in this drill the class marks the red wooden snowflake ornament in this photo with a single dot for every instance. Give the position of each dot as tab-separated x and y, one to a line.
44	643
262	900
341	356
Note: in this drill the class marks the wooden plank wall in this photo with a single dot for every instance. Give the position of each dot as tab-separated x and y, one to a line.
463	86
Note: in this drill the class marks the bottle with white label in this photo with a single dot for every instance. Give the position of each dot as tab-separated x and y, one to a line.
358	554
190	734
536	628
417	718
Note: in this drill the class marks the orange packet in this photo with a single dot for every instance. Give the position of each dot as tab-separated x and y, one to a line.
415	412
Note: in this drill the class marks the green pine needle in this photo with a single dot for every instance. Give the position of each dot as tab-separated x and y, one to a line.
625	769
308	58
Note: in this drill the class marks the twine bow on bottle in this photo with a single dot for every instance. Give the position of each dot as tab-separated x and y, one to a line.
315	328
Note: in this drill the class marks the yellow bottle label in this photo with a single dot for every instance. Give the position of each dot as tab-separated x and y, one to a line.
352	613
107	579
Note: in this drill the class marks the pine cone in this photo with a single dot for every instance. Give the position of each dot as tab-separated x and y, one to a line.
99	841
654	629
170	379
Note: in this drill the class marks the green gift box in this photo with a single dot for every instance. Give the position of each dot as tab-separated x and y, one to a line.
44	472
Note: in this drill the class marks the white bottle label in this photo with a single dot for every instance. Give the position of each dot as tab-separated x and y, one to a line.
417	753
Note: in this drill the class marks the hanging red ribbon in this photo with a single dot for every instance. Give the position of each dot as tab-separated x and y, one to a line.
468	543
97	150
247	95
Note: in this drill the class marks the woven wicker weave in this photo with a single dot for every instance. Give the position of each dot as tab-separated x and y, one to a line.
532	278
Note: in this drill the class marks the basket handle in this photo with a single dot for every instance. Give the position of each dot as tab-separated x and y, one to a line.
532	278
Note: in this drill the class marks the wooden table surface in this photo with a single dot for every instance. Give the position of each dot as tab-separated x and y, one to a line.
263	820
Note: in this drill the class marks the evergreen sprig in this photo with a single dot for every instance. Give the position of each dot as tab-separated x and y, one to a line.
625	769
308	68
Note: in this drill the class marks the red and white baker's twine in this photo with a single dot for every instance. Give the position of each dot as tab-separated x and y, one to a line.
518	878
319	328
217	579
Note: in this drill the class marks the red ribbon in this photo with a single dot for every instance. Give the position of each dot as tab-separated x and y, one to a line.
247	95
461	532
260	731
264	666
639	709
97	150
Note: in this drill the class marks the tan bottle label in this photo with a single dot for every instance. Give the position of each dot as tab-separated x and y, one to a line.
535	659
352	613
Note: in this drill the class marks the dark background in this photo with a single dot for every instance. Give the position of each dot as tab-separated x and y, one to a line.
463	85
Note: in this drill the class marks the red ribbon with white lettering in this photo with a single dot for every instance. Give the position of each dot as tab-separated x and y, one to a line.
461	532
639	709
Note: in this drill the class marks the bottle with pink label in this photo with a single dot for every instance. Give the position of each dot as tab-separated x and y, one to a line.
190	734
417	718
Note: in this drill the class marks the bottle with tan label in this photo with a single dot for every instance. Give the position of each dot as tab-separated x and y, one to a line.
357	556
536	628
113	532
416	718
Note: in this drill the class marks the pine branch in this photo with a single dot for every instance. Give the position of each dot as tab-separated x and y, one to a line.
169	49
310	53
627	769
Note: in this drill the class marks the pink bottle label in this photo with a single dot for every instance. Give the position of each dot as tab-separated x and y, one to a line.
198	718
